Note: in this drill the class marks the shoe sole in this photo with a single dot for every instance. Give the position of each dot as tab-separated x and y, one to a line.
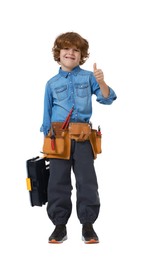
54	241
91	241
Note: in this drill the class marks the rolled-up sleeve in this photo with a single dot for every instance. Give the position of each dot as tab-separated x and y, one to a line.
100	98
106	101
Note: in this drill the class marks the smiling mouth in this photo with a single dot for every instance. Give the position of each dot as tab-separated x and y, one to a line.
71	58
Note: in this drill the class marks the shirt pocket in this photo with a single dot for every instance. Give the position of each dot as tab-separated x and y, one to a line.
61	92
82	90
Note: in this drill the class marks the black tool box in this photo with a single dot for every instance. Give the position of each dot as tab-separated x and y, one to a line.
37	180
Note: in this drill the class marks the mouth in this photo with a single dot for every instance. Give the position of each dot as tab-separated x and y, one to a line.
69	57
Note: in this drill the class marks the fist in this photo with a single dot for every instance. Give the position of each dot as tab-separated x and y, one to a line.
98	74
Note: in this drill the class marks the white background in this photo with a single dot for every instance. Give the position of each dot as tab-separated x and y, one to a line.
116	34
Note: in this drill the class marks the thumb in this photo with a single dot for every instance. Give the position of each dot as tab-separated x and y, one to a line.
94	67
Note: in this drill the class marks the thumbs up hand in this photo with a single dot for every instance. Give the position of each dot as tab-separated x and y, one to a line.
100	79
98	74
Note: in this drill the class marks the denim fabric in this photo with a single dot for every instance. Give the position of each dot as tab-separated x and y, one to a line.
71	89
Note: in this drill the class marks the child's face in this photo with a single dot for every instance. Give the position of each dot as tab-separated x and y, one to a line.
69	58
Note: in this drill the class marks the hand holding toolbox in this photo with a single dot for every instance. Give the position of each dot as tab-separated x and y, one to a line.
37	180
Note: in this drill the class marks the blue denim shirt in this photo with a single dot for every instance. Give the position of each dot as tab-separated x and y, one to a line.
71	89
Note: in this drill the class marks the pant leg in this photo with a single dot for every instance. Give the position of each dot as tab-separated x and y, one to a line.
59	191
88	202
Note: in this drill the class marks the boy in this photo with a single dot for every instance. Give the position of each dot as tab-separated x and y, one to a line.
72	88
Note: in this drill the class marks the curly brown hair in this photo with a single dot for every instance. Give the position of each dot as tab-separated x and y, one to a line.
71	39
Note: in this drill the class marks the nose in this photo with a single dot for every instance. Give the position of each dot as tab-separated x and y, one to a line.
71	51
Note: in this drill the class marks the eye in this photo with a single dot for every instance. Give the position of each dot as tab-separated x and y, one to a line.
77	50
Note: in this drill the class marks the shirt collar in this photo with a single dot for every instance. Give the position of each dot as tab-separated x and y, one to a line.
65	74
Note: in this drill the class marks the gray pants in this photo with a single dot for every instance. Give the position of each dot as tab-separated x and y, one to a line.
60	187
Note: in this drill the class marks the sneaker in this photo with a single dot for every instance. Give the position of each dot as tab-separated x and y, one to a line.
88	234
59	234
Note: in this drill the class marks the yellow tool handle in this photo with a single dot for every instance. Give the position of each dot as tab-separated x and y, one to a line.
28	184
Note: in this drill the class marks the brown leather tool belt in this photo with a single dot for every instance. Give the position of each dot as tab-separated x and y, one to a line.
58	142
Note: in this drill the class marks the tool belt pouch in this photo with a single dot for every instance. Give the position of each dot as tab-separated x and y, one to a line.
95	140
79	131
61	141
